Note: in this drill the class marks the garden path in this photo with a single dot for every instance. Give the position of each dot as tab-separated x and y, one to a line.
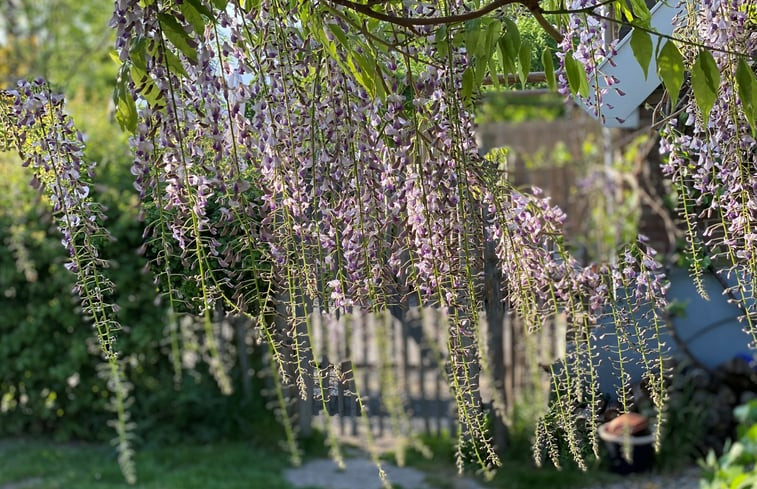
361	473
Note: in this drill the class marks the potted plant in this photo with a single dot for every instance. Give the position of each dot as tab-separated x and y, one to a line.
629	443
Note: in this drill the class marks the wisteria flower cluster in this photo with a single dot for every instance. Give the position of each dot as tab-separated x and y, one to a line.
39	130
587	45
713	161
625	300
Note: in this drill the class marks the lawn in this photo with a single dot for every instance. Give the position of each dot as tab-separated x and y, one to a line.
47	465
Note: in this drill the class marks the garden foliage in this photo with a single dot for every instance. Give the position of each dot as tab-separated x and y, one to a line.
735	469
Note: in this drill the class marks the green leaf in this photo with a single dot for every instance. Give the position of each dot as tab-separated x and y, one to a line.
509	47
177	36
467	88
200	7
493	33
473	38
174	64
576	76
480	68
670	69
747	86
705	81
137	53
126	114
549	68
115	57
524	64
511	39
320	34
751	433
622	8
339	34
641	45
359	75
641	12
193	16
126	109
442	45
494	73
746	413
359	65
584	88
147	88
740	482
370	73
121	79
508	63
220	4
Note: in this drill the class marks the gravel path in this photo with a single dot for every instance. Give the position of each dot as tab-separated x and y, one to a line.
361	473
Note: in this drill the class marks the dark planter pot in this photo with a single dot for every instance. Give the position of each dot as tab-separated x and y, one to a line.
641	448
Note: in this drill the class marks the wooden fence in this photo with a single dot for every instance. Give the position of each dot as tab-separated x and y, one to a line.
398	362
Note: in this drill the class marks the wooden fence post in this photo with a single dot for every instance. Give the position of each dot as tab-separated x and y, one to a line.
495	309
241	326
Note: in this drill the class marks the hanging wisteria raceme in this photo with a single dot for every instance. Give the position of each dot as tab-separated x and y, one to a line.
625	301
358	194
191	165
639	306
712	158
44	136
351	202
583	49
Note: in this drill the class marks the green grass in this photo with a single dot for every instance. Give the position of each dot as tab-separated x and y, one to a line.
47	465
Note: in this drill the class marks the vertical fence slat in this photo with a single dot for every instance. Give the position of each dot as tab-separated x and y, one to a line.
508	361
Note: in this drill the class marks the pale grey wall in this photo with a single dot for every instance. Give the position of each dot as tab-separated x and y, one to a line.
710	328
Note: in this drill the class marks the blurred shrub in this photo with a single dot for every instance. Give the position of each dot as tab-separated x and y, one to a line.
49	382
514	107
736	468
